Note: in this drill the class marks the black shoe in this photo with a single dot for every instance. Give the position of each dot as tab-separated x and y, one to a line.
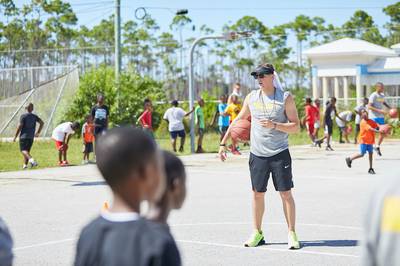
371	171
348	162
378	151
341	142
181	149
329	148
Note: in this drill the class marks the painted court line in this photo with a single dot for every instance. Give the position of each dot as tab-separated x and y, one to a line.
50	243
269	249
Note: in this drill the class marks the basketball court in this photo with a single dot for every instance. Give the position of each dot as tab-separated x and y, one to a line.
45	209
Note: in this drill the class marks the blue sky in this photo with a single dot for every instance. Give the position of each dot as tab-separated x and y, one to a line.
215	13
90	12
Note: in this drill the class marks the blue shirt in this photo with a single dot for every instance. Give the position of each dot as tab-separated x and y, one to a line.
223	121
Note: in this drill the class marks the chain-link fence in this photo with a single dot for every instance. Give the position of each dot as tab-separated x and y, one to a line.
50	100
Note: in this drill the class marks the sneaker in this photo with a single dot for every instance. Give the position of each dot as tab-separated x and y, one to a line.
371	171
256	239
66	162
181	149
33	162
24	166
329	148
341	142
378	151
293	242
348	162
236	152
63	163
85	162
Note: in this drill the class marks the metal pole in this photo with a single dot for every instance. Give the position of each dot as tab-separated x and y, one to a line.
191	86
117	40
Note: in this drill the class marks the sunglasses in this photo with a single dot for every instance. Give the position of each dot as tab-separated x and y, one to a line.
259	75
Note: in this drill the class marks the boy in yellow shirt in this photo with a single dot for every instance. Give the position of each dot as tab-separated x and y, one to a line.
233	109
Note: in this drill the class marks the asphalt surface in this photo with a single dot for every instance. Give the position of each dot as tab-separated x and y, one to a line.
45	209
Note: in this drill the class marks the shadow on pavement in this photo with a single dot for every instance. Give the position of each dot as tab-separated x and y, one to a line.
324	243
89	184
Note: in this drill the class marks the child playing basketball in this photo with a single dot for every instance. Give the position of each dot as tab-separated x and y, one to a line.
61	135
368	128
88	138
132	165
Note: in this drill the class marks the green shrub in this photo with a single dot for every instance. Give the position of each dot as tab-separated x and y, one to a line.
126	103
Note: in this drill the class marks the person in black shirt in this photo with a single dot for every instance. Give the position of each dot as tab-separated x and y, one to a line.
328	123
6	245
100	113
26	131
132	166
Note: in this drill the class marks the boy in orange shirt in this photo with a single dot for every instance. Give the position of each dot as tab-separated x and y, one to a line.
88	138
368	128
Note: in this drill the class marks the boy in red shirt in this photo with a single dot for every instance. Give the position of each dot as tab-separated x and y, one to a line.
368	128
88	138
146	118
309	119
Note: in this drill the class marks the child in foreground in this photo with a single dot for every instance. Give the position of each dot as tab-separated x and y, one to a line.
368	128
132	166
175	192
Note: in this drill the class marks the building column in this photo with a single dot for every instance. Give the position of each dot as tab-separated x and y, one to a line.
314	73
336	87
361	70
346	91
324	90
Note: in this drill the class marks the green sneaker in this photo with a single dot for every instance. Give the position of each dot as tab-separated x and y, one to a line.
293	242
256	239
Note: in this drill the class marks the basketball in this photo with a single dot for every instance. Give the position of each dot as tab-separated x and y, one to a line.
240	131
385	129
393	113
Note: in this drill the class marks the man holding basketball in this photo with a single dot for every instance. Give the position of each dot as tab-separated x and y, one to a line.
377	112
274	116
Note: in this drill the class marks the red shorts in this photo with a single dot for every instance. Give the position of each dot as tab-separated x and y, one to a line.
60	146
310	127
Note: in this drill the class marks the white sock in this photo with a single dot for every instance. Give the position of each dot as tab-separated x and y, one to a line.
31	160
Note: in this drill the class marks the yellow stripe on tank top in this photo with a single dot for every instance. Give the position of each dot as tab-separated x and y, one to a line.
391	215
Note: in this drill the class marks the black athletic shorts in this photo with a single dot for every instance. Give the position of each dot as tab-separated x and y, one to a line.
175	134
200	131
25	144
99	131
280	165
329	128
88	147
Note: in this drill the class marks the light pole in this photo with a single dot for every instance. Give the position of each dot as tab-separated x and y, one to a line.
228	36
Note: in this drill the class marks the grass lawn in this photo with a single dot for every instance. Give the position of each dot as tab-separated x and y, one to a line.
47	156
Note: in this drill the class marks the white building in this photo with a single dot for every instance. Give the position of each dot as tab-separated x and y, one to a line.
337	64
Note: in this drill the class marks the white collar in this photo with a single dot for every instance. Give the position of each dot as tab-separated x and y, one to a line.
120	216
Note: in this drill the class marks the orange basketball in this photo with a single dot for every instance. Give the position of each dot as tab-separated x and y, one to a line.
385	129
393	113
240	131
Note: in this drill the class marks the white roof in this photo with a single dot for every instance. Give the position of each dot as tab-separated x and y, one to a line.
395	46
349	46
385	65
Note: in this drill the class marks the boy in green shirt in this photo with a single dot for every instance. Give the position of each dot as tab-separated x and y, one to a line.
199	119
